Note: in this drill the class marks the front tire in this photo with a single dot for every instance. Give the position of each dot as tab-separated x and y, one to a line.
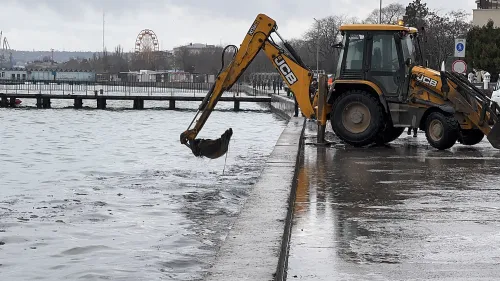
442	131
357	118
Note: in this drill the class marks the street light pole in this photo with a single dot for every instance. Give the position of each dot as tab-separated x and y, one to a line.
380	13
317	49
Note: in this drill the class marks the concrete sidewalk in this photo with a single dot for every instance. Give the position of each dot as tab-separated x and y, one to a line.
401	212
254	246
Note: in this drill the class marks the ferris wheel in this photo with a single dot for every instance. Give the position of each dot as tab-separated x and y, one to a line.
146	41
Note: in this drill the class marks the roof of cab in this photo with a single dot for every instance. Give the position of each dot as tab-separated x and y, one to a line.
378	27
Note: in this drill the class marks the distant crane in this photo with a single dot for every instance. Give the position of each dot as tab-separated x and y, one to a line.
5	49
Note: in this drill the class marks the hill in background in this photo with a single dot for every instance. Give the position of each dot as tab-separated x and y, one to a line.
23	57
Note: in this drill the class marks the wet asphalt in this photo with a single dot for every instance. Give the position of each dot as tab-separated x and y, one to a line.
404	211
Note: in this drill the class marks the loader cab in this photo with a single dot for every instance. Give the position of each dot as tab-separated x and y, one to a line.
378	56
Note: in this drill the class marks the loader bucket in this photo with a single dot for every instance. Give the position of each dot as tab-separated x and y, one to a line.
494	136
211	148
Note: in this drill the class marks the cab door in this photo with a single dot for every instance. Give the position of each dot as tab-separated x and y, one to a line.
353	58
386	63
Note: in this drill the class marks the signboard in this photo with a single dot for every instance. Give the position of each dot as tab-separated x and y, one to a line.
459	66
460	48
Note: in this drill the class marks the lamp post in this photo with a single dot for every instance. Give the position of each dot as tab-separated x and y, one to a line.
317	49
380	13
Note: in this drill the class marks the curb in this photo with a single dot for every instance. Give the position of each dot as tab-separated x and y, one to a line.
256	247
281	271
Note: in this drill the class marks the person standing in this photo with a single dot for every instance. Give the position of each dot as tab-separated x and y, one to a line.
414	131
312	88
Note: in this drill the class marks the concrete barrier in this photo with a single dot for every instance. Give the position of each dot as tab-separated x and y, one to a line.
283	106
257	244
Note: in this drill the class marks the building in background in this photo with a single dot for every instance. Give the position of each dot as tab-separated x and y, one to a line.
192	48
22	74
164	76
486	10
488	4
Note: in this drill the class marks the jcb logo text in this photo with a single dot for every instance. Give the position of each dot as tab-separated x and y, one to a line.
427	80
285	70
253	28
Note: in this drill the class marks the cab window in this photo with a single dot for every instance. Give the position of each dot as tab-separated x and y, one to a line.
384	53
355	52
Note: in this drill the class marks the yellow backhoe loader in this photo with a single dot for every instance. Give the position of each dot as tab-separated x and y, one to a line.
380	88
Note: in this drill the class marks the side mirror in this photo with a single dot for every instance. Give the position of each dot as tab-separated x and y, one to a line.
409	62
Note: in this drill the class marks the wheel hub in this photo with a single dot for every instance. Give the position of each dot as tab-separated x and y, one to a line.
436	130
356	117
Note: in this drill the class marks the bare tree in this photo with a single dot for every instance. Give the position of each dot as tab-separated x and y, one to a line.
183	58
302	48
441	35
326	35
390	14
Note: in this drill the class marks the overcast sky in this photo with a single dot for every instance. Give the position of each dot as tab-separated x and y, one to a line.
77	24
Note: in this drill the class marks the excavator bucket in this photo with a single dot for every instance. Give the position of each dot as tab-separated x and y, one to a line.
473	100
211	148
494	136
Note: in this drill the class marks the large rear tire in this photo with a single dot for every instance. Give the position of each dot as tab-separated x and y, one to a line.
442	131
390	133
357	118
471	137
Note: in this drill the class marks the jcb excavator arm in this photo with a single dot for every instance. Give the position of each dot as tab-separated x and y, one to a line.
292	70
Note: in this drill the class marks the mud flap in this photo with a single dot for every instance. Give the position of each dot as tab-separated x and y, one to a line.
211	148
494	136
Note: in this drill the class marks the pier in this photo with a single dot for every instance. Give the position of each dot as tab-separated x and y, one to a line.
44	100
44	92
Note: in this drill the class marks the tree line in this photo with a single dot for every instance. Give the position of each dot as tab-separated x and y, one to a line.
438	33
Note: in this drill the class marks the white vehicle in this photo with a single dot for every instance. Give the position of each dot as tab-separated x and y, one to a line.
495	96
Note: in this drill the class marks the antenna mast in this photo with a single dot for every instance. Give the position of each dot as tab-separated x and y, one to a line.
103	33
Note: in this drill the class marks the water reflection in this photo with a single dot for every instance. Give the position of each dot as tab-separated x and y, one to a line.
360	209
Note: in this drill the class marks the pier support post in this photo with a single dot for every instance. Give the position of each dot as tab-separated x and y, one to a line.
39	103
46	102
138	103
171	104
12	102
101	103
78	103
236	105
4	102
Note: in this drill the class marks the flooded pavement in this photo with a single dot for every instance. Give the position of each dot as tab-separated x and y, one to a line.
401	212
113	195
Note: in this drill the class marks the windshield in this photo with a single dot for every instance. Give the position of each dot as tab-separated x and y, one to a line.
411	48
408	47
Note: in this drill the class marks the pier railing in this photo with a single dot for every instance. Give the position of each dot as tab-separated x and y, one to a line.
108	87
